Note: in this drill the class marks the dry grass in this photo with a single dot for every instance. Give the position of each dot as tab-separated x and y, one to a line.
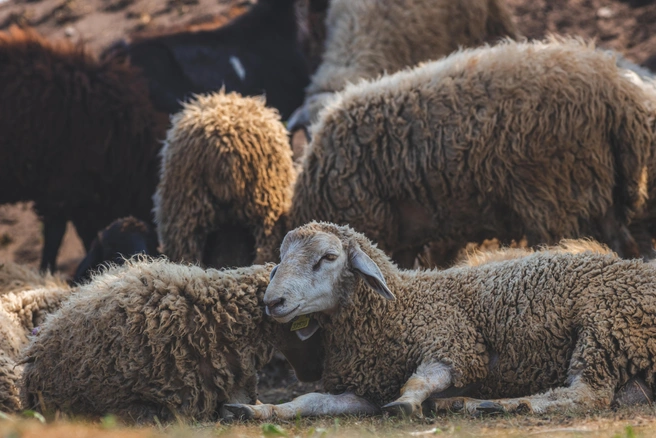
625	423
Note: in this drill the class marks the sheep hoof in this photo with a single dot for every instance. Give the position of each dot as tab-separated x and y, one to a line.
242	412
489	408
399	409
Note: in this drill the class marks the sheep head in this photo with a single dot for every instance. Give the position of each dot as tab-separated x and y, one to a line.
319	265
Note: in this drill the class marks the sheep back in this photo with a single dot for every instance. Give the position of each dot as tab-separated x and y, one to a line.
366	38
152	338
15	278
226	169
520	138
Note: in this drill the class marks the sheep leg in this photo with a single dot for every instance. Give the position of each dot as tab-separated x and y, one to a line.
428	379
54	228
576	397
308	405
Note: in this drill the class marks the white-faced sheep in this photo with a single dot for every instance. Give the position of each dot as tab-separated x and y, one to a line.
79	136
572	327
226	180
119	241
165	340
366	38
547	139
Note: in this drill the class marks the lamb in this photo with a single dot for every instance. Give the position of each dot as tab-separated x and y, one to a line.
226	182
257	53
168	341
547	139
366	38
79	136
121	239
573	328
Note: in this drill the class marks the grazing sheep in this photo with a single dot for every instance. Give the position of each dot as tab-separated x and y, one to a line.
78	137
16	278
226	180
257	53
366	38
121	239
166	341
544	139
572	327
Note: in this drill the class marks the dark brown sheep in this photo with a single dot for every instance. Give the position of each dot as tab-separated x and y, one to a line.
78	136
257	53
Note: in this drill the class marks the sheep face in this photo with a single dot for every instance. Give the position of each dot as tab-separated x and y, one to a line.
316	270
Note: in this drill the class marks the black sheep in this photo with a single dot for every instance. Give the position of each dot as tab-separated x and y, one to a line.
256	53
79	137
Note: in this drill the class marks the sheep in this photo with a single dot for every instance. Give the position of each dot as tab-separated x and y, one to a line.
572	327
366	38
16	278
547	139
79	136
571	246
121	239
167	341
11	341
257	53
226	182
21	311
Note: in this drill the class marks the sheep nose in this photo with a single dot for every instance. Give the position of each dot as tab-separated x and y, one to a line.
273	304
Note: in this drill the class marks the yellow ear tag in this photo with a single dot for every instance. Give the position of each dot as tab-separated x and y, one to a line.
300	323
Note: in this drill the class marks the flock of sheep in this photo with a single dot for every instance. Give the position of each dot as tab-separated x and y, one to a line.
430	124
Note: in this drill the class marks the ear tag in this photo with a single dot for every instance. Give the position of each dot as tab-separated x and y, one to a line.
300	323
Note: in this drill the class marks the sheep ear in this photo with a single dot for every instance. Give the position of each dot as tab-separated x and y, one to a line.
306	333
370	273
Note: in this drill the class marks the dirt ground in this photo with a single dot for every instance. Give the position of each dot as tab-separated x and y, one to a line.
615	24
637	422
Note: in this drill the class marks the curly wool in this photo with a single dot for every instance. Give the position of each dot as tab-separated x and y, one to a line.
479	257
21	310
164	340
505	141
366	38
15	278
226	176
540	315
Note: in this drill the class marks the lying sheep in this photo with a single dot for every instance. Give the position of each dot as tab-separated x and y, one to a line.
166	341
571	246
256	53
121	239
226	180
12	339
547	139
16	278
21	311
366	38
79	136
572	327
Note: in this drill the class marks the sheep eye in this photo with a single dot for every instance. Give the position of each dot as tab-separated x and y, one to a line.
273	272
330	257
